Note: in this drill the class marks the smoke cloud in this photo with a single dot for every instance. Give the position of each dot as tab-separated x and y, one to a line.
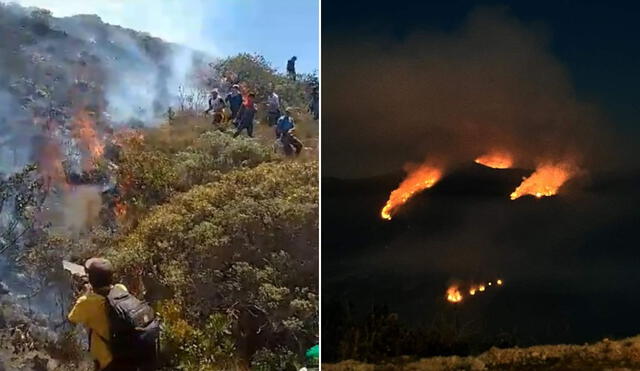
491	84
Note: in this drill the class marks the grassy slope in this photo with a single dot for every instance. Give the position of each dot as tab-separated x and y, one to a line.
604	355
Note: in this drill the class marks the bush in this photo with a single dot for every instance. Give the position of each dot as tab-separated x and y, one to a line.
244	247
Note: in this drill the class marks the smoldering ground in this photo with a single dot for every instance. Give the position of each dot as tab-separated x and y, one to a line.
491	83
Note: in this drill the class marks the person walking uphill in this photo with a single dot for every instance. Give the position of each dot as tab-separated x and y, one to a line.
216	104
291	67
284	132
123	331
247	112
273	108
234	100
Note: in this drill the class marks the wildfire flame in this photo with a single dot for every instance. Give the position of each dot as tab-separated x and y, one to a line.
84	131
545	181
420	178
496	160
50	165
120	209
454	295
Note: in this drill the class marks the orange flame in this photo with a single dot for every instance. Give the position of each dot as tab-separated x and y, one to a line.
84	131
454	295
496	159
545	181
50	165
120	209
423	177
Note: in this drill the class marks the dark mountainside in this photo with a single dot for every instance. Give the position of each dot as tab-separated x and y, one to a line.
569	264
94	163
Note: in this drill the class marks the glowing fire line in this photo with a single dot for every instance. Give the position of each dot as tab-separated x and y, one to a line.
423	177
454	293
496	160
544	182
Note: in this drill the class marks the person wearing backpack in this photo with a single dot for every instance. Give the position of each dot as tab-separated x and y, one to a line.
123	331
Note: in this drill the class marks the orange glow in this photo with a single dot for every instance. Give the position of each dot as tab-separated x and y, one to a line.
84	131
545	181
472	291
499	282
418	179
496	160
120	209
454	295
50	166
481	288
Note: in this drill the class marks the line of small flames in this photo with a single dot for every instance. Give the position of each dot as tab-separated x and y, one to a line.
454	295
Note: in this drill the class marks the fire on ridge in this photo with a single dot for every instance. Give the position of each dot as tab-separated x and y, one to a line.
496	159
418	179
544	182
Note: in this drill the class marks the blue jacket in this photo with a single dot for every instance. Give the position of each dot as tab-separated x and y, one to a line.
284	125
235	101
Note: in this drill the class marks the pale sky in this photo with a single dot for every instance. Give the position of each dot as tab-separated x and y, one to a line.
276	29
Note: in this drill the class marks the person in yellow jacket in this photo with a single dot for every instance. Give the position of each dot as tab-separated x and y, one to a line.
90	311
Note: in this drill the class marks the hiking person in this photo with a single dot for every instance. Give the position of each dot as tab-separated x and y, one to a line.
244	119
216	104
284	132
314	104
123	331
291	67
273	109
234	100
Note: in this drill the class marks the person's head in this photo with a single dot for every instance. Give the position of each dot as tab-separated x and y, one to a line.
214	93
100	272
287	112
235	88
294	58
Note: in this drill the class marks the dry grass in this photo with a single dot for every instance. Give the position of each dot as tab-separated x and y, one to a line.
604	355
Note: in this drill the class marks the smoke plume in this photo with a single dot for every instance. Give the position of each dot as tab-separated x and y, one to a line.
490	85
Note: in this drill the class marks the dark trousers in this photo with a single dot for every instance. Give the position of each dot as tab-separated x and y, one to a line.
272	117
289	141
241	127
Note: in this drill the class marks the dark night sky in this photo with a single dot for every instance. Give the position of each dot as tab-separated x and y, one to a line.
597	41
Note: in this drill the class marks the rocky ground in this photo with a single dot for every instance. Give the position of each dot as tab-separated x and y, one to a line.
29	343
605	355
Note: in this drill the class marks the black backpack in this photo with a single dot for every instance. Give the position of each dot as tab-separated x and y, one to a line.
135	330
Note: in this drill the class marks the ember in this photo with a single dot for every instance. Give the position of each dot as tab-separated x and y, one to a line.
545	181
496	160
418	179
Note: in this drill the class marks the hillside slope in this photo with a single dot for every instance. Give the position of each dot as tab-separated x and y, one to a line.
605	355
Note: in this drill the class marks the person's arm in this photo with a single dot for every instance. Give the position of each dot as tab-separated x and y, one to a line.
210	106
78	313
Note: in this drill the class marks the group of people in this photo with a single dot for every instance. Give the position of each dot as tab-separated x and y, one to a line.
243	111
